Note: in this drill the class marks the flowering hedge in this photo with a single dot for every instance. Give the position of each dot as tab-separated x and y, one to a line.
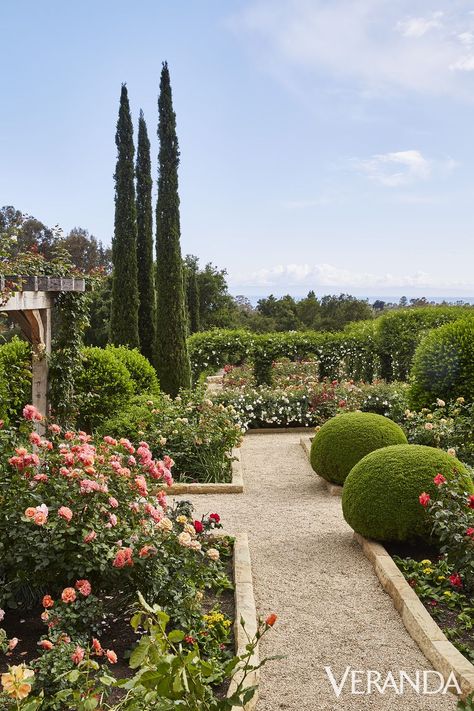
196	432
311	402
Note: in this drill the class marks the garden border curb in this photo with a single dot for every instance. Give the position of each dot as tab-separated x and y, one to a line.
418	622
235	487
333	489
244	609
276	430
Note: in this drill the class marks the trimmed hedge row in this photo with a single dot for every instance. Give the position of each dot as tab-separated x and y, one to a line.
383	348
351	353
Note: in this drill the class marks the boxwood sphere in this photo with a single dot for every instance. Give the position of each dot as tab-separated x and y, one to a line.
343	440
380	499
443	365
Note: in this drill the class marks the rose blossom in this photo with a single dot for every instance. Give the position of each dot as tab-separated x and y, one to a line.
424	499
2	615
123	558
470	501
68	595
30	412
455	580
65	513
184	539
451	451
271	619
91	536
113	502
439	479
215	517
97	647
111	656
78	655
84	587
46	644
470	532
213	554
198	527
48	601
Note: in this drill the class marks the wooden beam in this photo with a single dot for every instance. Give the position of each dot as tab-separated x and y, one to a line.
27	301
42	283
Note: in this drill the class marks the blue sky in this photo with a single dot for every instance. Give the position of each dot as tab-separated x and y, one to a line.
326	144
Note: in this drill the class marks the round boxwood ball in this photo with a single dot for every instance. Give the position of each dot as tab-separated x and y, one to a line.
380	499
343	440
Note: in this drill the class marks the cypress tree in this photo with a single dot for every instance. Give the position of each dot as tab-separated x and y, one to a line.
146	281
172	357
124	309
193	300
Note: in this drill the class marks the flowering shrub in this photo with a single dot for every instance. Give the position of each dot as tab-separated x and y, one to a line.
439	588
451	513
309	403
449	426
73	510
196	432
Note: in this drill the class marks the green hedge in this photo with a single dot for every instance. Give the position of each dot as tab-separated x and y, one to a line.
443	366
345	439
350	353
15	379
400	332
380	498
141	371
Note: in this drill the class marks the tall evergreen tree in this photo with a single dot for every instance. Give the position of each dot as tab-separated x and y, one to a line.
172	357
146	280
192	292
124	309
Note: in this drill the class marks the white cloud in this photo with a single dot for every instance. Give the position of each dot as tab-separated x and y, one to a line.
419	26
284	276
465	64
380	45
398	168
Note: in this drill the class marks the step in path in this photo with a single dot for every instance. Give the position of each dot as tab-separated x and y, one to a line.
332	611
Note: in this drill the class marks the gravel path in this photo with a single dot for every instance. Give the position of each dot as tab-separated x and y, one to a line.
306	568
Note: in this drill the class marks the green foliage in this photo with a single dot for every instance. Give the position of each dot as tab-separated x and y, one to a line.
103	387
146	278
172	359
443	366
450	605
141	371
66	358
380	498
350	354
192	293
198	434
346	439
100	299
401	331
124	311
15	369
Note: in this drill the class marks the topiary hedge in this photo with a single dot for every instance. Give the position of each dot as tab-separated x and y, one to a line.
443	366
400	331
345	439
380	498
141	371
103	387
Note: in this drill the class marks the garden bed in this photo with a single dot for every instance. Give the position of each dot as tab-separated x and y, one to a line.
236	486
418	621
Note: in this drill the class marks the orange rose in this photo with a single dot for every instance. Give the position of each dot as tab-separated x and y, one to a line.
48	601
68	595
271	619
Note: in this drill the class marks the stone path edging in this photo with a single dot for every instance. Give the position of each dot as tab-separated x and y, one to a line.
420	625
333	489
244	609
235	487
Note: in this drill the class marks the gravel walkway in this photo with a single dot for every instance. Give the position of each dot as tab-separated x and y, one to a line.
306	568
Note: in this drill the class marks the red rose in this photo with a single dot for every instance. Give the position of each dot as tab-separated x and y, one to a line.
470	501
470	532
215	517
198	527
424	499
455	580
439	479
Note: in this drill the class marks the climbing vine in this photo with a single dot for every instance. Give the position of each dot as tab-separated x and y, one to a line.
70	317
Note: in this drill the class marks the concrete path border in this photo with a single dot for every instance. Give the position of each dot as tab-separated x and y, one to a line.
421	627
244	609
235	487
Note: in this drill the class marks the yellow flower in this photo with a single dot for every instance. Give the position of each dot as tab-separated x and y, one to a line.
448	593
14	681
441	577
428	571
426	562
182	519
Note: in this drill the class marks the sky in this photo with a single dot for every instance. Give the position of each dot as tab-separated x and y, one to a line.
325	144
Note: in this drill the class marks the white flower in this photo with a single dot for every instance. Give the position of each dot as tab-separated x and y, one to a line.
452	452
2	615
213	554
165	524
440	403
184	539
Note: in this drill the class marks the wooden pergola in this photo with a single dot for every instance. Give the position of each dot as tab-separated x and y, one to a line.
30	306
